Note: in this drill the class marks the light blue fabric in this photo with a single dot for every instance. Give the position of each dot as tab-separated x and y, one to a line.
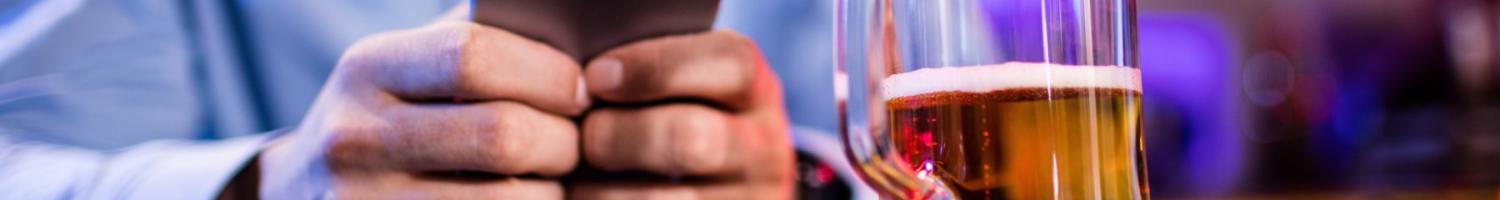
81	81
163	169
114	73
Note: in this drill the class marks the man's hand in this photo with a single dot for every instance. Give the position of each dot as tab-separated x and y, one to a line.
702	107
419	113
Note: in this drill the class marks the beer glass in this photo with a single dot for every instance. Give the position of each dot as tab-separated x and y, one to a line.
991	99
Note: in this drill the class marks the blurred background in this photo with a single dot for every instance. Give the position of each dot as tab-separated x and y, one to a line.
1321	99
1269	99
1274	99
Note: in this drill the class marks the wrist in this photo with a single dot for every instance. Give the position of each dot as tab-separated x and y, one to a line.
245	184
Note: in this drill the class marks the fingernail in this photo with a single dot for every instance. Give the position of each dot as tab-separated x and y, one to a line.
582	94
604	75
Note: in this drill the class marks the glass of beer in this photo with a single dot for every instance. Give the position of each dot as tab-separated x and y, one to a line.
992	99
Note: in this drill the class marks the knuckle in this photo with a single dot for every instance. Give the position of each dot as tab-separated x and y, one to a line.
352	144
599	141
387	57
594	135
735	43
699	136
741	52
362	54
512	135
350	129
734	37
469	67
468	71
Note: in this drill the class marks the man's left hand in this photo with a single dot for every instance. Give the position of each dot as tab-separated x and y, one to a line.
703	109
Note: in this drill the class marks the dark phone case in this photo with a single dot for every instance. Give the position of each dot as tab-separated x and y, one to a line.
585	28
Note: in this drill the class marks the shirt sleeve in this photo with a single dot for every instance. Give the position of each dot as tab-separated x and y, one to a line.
153	170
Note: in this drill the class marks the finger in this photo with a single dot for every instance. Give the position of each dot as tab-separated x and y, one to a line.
673	139
658	190
407	187
495	137
468	61
718	66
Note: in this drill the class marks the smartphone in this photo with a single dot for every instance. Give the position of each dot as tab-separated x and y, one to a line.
585	28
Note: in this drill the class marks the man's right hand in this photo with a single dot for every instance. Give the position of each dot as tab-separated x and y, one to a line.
412	113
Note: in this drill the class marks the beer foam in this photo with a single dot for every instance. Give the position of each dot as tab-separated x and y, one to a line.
1013	75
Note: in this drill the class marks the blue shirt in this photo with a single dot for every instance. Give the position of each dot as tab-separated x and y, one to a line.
106	99
80	79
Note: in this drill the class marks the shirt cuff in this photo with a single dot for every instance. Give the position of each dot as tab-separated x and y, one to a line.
177	170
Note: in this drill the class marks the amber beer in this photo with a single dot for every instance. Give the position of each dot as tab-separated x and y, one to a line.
1021	130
